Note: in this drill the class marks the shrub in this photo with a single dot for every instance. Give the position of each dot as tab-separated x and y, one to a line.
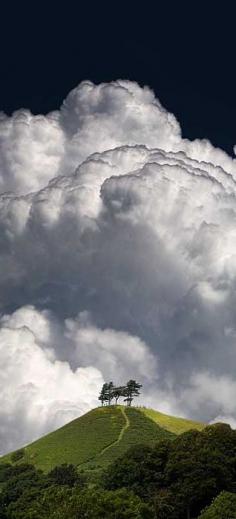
223	507
17	455
66	474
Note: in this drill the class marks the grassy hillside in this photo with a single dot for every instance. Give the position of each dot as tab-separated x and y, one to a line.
100	436
171	423
137	428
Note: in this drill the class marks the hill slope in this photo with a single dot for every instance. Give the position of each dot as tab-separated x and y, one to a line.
173	424
101	435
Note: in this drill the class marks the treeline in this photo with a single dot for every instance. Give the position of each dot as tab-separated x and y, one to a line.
192	476
110	393
28	493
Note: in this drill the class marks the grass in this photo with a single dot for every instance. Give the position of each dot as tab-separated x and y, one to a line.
140	430
171	423
100	436
77	442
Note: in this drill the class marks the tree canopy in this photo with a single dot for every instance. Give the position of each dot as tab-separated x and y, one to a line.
223	507
109	392
185	473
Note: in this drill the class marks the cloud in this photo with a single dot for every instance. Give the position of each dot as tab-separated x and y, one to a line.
117	257
38	391
93	118
31	150
115	353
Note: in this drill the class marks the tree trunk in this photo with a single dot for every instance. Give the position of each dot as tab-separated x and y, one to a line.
188	513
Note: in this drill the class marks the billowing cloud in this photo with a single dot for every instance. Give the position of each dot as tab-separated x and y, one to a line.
117	259
35	149
117	354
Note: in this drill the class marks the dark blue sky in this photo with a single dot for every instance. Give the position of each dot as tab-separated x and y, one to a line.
186	54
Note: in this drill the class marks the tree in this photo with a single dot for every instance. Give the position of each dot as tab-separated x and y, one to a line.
200	465
163	504
63	502
5	472
179	477
97	503
131	390
118	392
140	469
66	474
20	479
52	502
223	507
103	397
110	390
107	393
17	455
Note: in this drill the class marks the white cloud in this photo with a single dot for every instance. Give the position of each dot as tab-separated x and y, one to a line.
117	354
117	254
93	118
31	150
38	391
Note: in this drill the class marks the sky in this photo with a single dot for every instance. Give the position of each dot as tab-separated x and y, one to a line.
117	215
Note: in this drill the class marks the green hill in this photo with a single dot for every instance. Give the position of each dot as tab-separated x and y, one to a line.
101	435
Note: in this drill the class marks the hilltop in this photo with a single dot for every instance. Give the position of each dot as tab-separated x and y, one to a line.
95	439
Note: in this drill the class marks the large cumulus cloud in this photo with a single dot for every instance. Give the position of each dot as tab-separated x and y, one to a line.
117	256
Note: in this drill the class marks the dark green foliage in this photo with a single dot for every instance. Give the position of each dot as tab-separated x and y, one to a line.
162	502
42	503
19	479
110	392
110	389
66	475
200	465
131	390
223	507
107	393
97	504
141	469
185	474
4	470
64	503
25	504
118	392
103	394
17	455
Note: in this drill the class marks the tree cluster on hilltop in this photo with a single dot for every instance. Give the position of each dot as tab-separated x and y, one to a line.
110	393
